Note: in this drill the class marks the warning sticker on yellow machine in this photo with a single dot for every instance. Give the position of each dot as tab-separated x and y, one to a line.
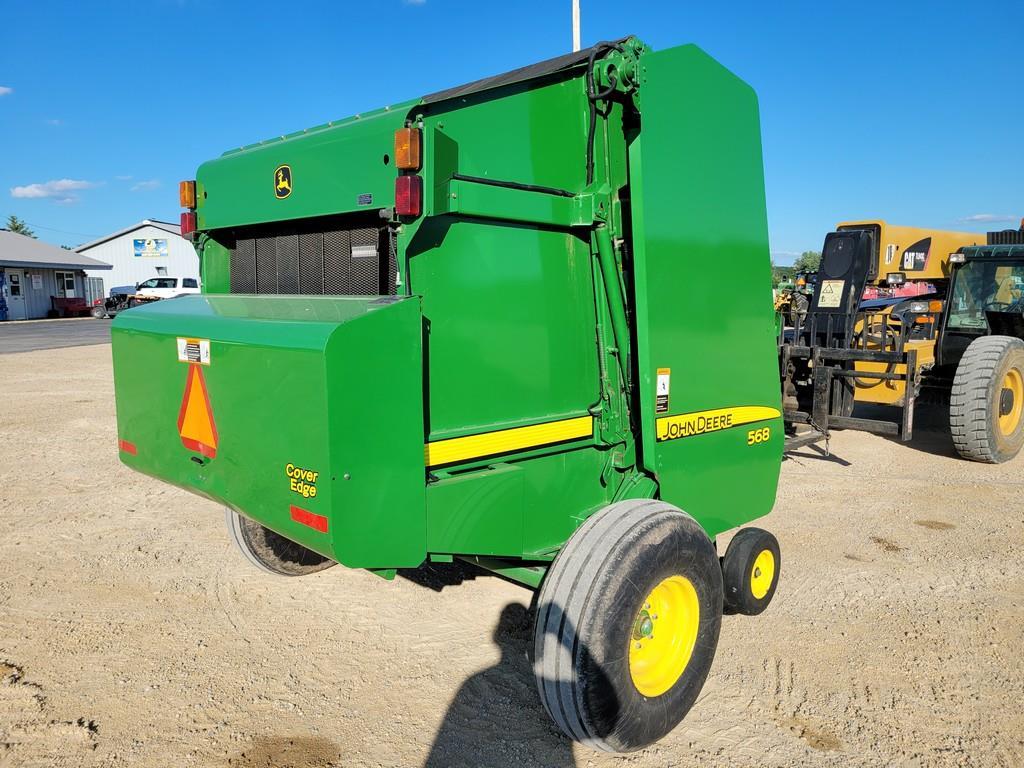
702	422
831	295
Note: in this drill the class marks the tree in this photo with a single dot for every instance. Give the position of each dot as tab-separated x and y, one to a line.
19	227
808	261
781	274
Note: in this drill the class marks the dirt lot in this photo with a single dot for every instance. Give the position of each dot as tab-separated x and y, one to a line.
132	634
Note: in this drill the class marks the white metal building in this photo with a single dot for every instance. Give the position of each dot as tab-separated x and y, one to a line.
148	249
38	279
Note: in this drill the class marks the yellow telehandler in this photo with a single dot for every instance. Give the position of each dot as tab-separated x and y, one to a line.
879	328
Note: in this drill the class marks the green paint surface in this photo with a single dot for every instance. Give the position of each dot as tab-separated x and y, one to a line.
291	380
504	319
699	210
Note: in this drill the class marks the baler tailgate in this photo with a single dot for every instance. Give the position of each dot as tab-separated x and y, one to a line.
710	410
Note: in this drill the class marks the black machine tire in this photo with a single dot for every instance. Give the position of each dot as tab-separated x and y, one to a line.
975	402
590	608
270	551
99	312
750	571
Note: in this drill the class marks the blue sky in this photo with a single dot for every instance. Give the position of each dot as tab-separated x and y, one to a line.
911	112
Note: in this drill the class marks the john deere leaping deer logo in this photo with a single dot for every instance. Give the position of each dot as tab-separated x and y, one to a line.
282	181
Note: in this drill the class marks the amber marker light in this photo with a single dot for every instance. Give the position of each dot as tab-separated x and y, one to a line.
187	194
407	149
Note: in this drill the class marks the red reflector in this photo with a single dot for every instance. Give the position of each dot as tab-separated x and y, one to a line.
313	520
127	447
408	195
188	223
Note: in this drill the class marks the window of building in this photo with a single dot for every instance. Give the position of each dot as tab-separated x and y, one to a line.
65	284
161	270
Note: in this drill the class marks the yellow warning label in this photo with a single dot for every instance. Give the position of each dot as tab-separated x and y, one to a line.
702	422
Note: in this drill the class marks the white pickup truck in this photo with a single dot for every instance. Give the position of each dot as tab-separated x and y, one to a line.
166	287
126	297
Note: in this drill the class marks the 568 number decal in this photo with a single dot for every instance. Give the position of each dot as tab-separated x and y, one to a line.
756	436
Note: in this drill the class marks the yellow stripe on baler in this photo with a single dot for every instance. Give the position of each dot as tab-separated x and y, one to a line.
505	440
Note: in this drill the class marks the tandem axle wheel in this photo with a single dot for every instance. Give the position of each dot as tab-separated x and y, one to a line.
628	618
627	625
750	571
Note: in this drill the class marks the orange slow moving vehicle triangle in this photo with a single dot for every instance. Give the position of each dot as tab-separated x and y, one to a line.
195	420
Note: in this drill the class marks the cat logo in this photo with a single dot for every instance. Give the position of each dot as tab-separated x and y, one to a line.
283	181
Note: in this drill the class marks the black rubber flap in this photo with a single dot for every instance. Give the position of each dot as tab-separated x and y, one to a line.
530	72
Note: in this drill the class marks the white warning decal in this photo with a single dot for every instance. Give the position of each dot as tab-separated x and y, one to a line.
194	351
661	393
831	295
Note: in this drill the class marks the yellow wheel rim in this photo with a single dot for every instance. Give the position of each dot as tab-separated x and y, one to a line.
1008	422
762	574
664	634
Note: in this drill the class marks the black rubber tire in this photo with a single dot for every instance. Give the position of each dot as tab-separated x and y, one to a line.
588	605
738	565
98	312
974	402
270	551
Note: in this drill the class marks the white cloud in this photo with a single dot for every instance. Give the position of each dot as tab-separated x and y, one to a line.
124	178
54	121
989	218
145	186
414	2
4	90
59	190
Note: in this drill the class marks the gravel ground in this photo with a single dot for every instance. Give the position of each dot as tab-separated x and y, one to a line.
132	634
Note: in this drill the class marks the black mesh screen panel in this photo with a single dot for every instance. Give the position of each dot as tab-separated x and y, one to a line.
337	249
311	263
243	267
266	265
313	259
365	262
288	264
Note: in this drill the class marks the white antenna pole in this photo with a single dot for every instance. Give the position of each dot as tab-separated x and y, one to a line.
575	25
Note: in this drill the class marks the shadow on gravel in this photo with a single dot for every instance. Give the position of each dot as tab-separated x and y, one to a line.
931	427
437	576
815	451
496	718
931	432
288	752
